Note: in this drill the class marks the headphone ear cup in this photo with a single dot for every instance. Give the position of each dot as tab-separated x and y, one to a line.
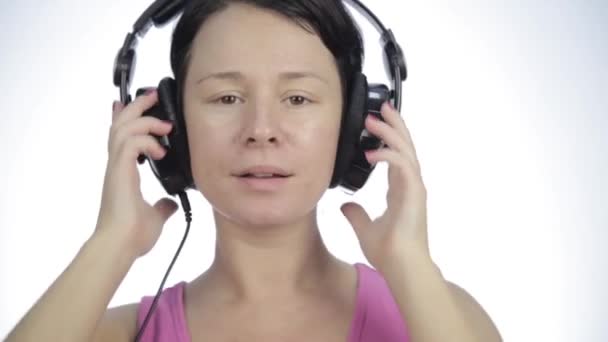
173	171
353	119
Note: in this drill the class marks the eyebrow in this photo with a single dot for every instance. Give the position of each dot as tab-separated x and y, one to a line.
237	76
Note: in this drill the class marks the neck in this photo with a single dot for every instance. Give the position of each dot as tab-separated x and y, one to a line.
255	263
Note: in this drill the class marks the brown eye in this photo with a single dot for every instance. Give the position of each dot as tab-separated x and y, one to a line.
297	100
228	99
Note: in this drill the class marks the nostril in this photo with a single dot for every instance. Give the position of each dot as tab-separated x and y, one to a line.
252	140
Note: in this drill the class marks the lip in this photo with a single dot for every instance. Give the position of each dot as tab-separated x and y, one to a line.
263	169
263	184
270	184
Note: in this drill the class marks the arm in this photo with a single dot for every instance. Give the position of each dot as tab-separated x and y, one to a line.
72	308
435	309
396	243
485	329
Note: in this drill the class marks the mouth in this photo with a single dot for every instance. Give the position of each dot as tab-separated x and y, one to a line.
263	175
269	182
263	178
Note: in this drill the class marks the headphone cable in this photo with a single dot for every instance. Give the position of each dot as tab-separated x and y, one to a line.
187	212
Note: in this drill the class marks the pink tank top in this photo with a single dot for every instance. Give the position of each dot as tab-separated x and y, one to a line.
376	317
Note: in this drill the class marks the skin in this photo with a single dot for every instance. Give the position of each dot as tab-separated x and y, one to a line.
272	272
269	256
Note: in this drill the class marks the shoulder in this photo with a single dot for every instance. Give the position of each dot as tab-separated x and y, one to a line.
167	321
377	316
485	328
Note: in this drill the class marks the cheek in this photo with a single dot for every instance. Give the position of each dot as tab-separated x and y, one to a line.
206	146
318	146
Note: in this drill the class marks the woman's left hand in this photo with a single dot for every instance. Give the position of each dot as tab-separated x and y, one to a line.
404	223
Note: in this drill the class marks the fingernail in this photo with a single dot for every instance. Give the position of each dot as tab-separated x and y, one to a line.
390	105
150	91
114	104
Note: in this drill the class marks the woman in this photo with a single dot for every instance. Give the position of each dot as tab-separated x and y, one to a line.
264	84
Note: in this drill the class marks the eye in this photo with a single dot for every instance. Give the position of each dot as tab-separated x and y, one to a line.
227	100
298	100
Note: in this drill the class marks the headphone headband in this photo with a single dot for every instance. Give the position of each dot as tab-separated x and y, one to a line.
160	12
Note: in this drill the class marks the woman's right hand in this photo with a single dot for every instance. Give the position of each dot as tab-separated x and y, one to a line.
124	215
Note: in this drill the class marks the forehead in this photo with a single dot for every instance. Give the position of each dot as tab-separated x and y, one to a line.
253	39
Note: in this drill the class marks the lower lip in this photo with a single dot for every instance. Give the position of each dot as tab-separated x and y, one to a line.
263	184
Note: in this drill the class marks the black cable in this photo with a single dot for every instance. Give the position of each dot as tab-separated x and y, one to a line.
187	211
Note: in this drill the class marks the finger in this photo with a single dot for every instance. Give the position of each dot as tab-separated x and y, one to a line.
137	107
139	144
408	169
394	119
165	207
386	133
141	126
394	141
356	216
406	166
117	106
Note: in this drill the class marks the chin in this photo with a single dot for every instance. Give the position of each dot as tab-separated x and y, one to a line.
265	212
264	219
262	209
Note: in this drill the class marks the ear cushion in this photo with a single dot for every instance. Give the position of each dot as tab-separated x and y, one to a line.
173	171
352	125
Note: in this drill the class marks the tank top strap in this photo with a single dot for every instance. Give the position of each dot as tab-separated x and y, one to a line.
377	316
168	321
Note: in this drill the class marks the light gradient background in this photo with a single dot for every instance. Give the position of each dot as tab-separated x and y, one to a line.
506	102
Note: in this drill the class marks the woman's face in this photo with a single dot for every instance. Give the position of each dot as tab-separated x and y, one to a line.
261	91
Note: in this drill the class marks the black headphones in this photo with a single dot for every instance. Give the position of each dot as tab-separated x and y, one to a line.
351	169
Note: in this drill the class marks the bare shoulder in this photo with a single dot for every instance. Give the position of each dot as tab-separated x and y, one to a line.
118	324
476	314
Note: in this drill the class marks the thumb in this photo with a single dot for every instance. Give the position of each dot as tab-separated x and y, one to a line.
165	208
356	215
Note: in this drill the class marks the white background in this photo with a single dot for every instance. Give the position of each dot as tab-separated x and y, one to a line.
506	102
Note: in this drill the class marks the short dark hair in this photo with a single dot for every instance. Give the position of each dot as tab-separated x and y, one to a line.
329	19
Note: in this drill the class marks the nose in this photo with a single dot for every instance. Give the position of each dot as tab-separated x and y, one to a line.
261	127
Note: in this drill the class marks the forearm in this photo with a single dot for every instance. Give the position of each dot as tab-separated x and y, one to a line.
425	300
73	305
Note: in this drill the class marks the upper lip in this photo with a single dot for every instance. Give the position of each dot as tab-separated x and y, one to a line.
259	169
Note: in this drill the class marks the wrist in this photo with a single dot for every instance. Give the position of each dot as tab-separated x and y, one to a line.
407	258
119	249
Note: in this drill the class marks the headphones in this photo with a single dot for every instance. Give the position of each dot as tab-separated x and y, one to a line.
351	169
